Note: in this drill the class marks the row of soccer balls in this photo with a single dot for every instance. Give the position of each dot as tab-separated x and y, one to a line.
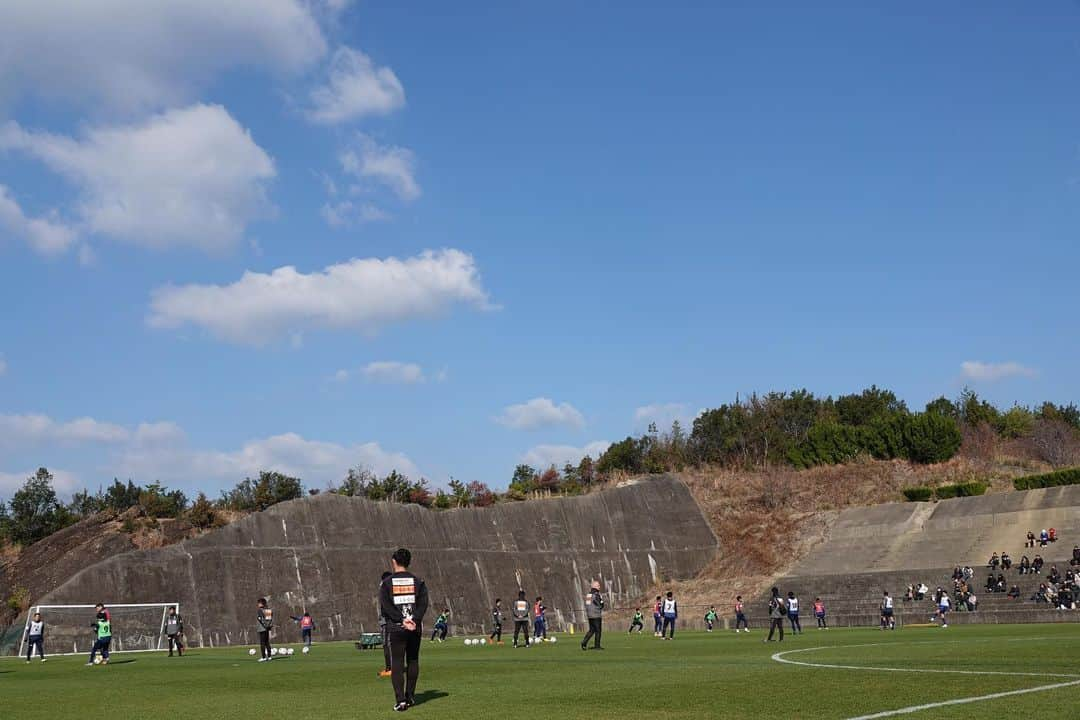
483	641
281	651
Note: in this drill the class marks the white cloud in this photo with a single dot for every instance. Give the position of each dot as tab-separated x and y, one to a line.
45	236
361	294
390	371
539	413
355	88
18	430
190	177
387	165
316	463
989	372
64	483
133	55
544	456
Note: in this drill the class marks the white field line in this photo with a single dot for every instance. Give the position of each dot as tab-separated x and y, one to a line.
779	657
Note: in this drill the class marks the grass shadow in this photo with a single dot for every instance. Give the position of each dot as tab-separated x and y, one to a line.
429	695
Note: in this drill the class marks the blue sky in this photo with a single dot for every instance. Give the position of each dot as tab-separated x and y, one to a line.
451	237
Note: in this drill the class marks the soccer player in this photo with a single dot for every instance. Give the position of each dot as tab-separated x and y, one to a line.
539	619
819	613
793	613
740	616
35	637
496	622
403	600
174	628
594	611
441	626
710	619
670	611
944	605
519	611
385	672
307	624
265	623
887	619
638	621
657	616
103	627
776	615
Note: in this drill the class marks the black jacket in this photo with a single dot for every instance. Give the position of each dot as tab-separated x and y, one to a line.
401	596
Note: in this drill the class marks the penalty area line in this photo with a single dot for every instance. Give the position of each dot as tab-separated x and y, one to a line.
779	657
963	701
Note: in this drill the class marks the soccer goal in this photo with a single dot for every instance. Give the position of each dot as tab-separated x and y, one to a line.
136	627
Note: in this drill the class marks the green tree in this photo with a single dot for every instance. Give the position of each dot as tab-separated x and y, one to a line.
974	411
83	504
120	497
459	493
443	501
201	514
1016	422
626	455
943	406
35	511
871	404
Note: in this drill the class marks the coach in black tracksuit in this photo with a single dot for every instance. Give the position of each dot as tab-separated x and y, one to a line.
594	611
403	600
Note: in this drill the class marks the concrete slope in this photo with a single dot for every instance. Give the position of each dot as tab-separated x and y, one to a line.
326	553
962	531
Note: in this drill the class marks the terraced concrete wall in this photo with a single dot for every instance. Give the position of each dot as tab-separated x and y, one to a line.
326	554
961	531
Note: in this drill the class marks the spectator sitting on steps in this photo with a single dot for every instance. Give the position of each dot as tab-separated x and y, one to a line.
1066	600
994	561
1037	564
920	593
910	594
1054	576
1052	535
972	602
1006	561
1044	537
1076	555
1030	539
1025	565
1042	594
1014	592
1000	585
990	582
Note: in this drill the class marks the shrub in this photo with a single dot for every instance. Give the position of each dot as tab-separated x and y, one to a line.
1054	479
827	444
965	489
920	493
931	438
201	514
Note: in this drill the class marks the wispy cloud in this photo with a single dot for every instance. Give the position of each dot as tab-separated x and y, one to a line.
355	88
391	371
989	372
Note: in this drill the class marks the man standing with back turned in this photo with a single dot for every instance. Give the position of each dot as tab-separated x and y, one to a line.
594	611
403	600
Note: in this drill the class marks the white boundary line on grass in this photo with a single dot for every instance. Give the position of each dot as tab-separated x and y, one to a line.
779	657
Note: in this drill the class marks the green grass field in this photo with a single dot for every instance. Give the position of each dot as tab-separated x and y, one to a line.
699	675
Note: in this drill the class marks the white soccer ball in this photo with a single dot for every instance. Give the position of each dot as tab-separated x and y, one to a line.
97	661
274	651
306	650
251	651
483	641
551	640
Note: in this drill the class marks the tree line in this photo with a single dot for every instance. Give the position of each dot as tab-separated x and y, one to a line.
795	429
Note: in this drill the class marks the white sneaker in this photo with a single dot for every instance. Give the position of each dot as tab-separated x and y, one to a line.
263	659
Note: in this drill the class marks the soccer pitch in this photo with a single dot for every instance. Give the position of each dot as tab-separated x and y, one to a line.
1031	669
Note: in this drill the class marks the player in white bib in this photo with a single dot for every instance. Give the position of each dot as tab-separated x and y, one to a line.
887	619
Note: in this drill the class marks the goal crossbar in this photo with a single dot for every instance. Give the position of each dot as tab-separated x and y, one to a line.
109	606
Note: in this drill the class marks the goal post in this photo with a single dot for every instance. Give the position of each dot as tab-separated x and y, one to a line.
136	627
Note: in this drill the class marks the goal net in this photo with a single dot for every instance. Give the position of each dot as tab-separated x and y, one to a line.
138	627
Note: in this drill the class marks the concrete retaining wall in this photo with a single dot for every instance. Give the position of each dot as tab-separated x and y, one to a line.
326	553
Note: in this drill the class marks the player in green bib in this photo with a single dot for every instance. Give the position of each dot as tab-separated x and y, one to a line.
638	621
103	627
710	619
